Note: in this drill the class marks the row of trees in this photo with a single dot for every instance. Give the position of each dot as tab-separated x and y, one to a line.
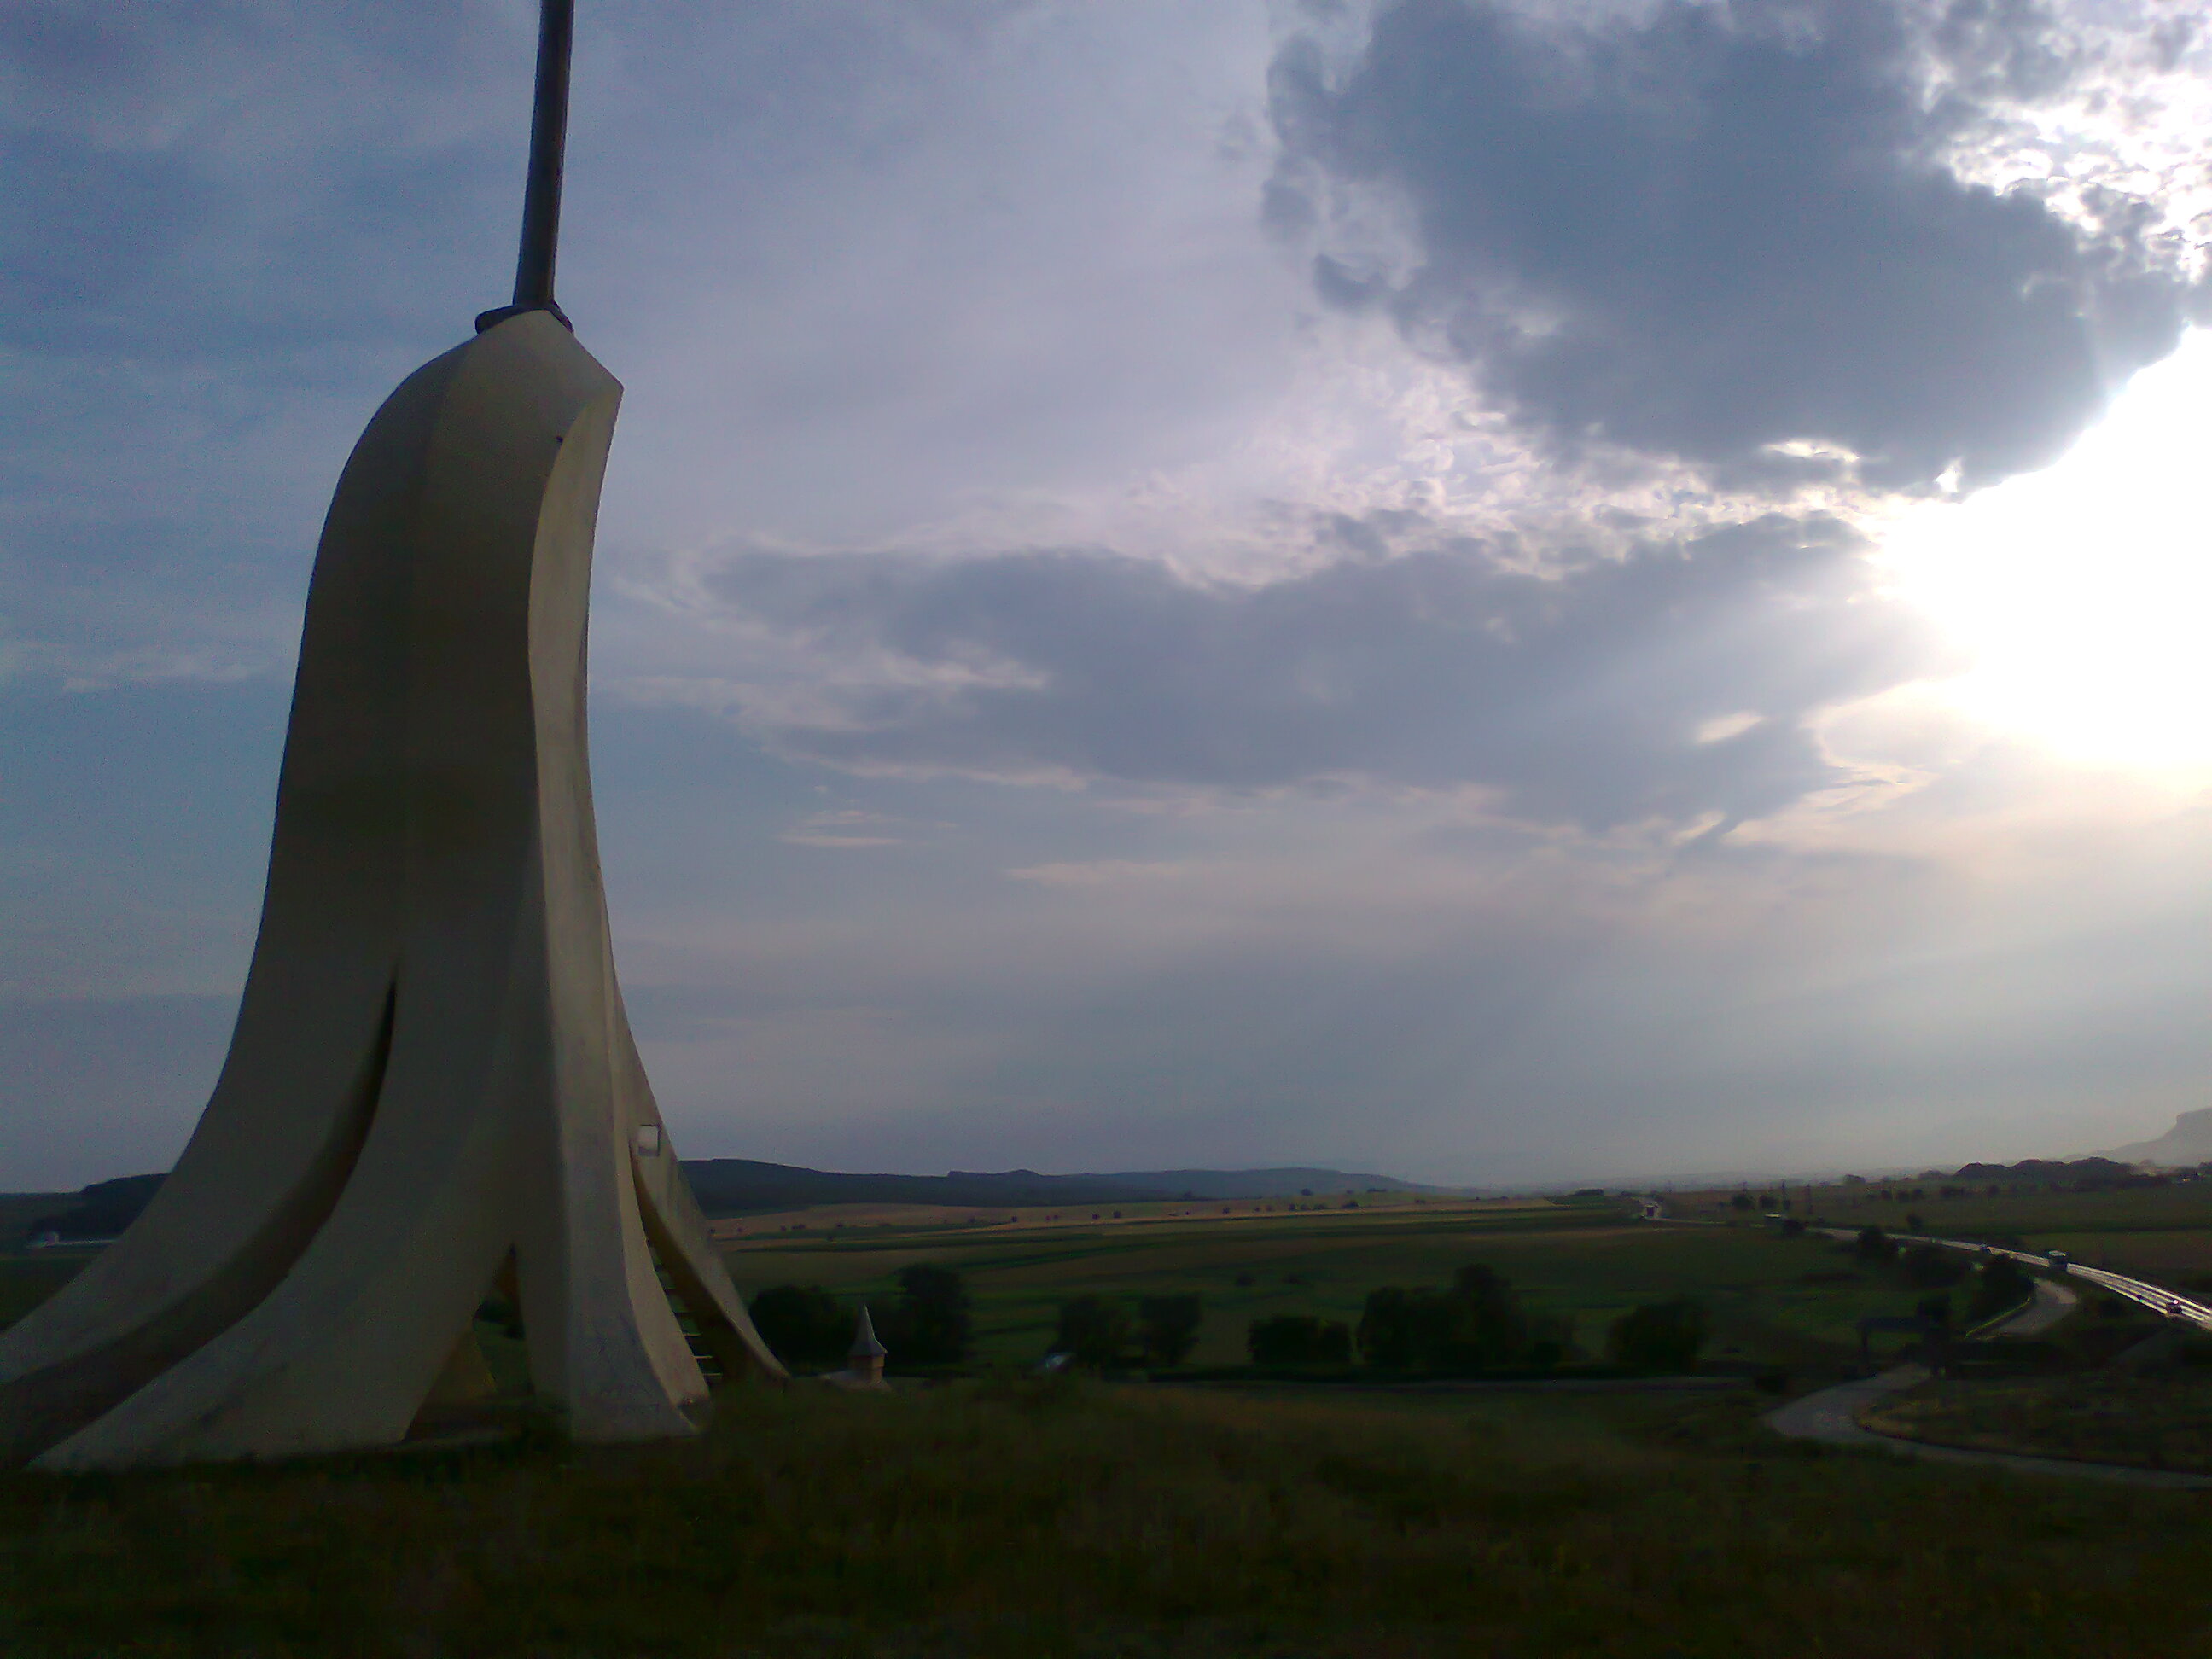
1475	1323
1478	1322
928	1323
1098	1331
1997	1282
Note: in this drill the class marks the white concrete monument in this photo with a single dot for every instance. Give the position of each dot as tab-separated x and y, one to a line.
432	1090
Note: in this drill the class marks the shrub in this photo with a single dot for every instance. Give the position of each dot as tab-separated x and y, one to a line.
1660	1336
1875	1245
1167	1326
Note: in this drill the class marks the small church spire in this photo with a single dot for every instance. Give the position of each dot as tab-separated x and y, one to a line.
865	1364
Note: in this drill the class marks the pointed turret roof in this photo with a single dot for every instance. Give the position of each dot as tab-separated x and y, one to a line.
864	1345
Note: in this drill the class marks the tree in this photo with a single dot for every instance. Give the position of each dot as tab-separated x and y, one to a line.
929	1323
1742	1201
2000	1284
1484	1324
1386	1329
803	1324
1660	1336
1167	1326
1930	1267
1094	1331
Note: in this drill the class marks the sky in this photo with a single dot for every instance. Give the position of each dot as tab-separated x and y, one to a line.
1492	591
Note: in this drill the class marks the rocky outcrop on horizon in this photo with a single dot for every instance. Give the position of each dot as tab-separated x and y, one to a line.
2186	1145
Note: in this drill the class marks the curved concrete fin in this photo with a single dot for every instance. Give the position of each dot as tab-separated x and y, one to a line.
315	1011
678	1235
45	1406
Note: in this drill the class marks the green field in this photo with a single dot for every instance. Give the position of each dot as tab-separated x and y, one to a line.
1789	1302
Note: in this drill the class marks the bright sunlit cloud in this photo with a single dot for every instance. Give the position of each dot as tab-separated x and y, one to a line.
2082	593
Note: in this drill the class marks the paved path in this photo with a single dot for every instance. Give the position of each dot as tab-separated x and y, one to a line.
1831	1415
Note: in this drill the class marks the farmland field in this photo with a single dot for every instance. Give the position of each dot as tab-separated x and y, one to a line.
2031	1213
1773	1300
1789	1302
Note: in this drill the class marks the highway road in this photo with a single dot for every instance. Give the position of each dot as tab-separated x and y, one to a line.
2156	1297
2159	1299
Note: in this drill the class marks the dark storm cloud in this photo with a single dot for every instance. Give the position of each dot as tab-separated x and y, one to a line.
1583	695
1722	228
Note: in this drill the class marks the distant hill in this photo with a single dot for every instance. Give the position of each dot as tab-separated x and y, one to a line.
735	1186
2048	1171
1251	1183
2188	1143
2075	1175
731	1186
100	1211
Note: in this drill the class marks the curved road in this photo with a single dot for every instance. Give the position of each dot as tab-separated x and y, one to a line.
1831	1414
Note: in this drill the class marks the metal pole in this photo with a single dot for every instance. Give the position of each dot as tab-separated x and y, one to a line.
541	197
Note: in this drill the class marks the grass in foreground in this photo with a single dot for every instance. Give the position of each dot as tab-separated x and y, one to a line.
2159	1422
1043	1519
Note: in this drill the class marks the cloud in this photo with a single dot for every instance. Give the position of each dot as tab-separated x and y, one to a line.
1706	231
1671	682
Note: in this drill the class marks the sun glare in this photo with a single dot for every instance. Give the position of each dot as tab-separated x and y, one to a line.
2083	594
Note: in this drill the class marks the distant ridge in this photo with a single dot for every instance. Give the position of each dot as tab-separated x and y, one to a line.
100	1211
1253	1183
731	1186
735	1186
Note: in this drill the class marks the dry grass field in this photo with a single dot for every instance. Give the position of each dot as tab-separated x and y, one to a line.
879	1219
